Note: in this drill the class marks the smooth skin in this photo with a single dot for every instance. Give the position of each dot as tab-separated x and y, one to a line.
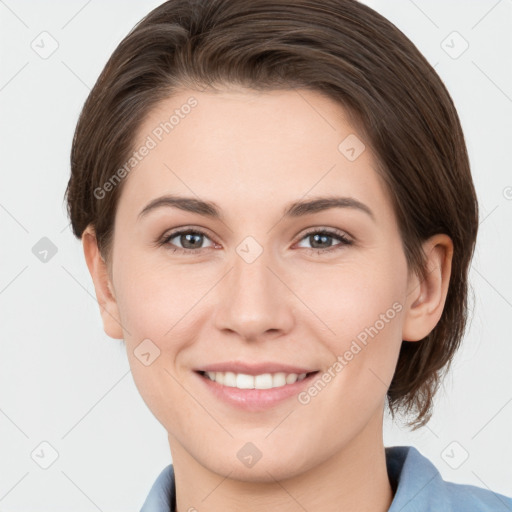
253	153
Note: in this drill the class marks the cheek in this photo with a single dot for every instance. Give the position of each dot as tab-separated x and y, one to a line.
156	307
350	309
363	309
156	300
160	300
355	297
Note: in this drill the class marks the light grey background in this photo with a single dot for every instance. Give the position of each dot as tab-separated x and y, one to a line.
64	382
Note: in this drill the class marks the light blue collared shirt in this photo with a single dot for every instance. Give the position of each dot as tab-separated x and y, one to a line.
419	488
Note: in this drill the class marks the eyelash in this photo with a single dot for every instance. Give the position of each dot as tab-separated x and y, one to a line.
331	233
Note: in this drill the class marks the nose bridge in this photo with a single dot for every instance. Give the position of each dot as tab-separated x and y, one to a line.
254	300
251	275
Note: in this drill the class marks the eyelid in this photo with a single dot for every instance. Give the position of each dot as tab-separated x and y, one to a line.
345	238
330	231
163	240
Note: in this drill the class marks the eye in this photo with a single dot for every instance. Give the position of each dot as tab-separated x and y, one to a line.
191	240
322	240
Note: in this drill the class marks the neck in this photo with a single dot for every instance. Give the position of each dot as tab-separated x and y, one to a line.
354	478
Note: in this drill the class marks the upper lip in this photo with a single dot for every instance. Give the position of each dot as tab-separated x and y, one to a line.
254	368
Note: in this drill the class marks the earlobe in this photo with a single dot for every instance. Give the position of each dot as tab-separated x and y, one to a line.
102	284
426	297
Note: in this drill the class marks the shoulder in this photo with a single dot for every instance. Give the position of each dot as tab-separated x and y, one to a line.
420	487
162	497
470	497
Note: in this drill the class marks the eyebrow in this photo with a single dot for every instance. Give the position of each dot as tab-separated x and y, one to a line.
294	210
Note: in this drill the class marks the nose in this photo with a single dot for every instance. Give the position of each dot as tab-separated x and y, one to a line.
255	300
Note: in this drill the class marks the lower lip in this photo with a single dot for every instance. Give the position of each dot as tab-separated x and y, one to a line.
255	399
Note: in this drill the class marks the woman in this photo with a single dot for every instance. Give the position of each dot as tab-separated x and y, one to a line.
276	208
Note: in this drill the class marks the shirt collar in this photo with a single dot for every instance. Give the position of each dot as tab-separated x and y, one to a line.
416	483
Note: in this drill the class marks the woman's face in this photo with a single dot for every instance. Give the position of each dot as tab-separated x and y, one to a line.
260	285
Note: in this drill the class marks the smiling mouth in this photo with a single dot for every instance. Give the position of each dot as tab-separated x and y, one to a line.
262	381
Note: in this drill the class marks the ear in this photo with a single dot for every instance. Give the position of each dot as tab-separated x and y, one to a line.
102	284
426	297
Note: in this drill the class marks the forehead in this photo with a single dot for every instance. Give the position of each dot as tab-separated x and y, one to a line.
249	148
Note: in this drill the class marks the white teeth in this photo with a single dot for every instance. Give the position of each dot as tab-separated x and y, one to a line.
263	381
229	379
243	381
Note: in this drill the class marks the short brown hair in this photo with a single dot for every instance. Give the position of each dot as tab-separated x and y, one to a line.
340	48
